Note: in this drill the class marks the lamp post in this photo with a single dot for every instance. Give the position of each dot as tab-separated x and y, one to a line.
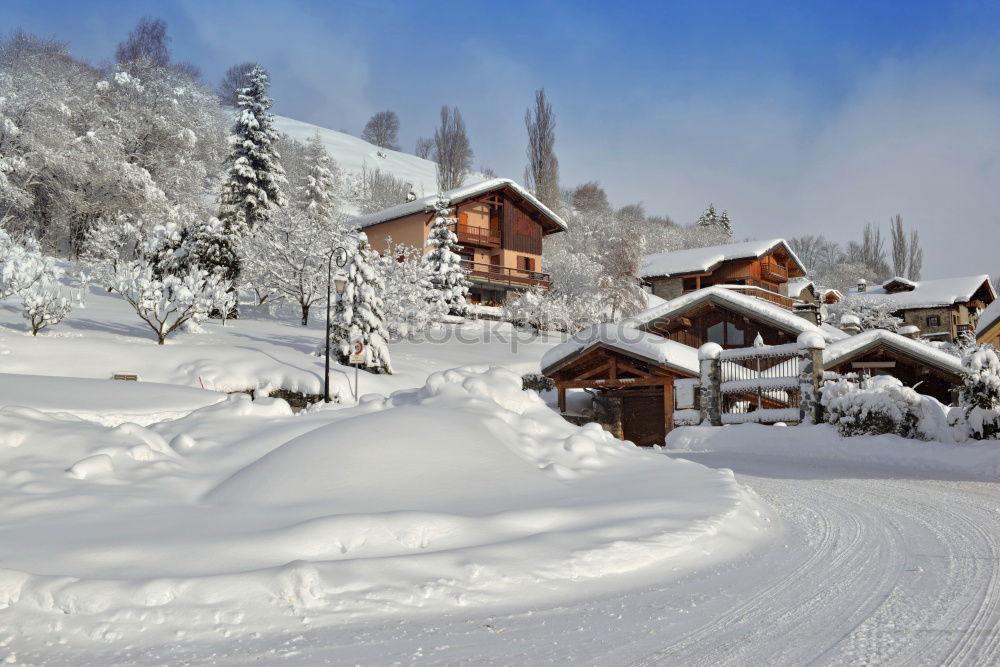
339	255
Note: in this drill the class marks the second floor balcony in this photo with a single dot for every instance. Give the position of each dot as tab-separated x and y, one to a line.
478	236
506	275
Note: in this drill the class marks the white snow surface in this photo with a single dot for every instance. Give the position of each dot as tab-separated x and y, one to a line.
988	317
352	153
930	293
240	519
697	260
452	197
625	339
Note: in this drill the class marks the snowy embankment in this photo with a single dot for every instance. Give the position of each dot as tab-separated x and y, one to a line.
973	460
241	518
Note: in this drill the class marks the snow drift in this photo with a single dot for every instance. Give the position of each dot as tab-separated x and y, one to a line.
467	491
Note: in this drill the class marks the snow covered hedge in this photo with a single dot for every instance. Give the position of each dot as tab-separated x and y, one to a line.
880	405
979	398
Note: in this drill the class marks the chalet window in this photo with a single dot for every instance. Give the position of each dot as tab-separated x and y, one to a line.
690	284
463	219
933	320
526	263
726	334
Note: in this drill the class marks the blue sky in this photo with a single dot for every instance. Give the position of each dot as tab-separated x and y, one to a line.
798	117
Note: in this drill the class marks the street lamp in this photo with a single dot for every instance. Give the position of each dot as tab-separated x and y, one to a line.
339	281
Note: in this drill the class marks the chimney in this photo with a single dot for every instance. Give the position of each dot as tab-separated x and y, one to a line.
909	331
807	310
850	325
862	284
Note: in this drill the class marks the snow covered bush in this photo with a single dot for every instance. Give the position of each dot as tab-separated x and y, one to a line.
537	382
882	404
36	280
444	262
979	397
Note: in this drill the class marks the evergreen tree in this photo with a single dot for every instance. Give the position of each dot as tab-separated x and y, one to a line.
254	174
725	224
359	314
447	275
709	218
211	247
319	189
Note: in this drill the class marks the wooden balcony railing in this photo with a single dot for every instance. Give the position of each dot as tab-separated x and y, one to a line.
773	271
506	275
481	236
785	302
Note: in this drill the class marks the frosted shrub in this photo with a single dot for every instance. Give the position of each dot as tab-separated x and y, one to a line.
979	397
537	382
44	304
35	279
881	405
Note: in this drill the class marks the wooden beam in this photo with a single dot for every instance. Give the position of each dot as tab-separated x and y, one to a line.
594	371
599	383
561	392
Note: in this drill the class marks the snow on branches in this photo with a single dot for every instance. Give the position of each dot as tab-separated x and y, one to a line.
36	280
871	313
359	314
444	262
411	306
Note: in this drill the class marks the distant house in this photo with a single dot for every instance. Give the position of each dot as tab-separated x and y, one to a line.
988	330
500	228
757	268
940	309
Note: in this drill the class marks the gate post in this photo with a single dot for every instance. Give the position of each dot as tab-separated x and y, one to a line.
711	381
811	346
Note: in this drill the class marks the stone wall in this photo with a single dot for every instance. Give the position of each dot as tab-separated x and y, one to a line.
668	288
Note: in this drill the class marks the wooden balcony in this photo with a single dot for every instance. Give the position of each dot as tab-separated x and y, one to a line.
773	272
505	275
478	236
785	302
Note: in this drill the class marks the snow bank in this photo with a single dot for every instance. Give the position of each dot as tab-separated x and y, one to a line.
890	453
465	492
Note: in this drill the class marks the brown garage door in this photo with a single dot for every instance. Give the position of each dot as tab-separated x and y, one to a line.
642	419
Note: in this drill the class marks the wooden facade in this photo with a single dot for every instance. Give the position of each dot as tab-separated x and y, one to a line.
711	322
635	394
884	360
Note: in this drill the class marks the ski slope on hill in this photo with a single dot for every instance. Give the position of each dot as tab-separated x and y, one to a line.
352	153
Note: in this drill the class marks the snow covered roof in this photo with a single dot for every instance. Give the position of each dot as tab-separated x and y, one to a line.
796	285
700	260
747	305
989	317
930	293
456	196
843	350
627	340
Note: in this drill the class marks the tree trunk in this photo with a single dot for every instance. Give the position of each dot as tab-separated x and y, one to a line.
160	338
305	315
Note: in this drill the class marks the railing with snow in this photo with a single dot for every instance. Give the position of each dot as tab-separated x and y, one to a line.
762	384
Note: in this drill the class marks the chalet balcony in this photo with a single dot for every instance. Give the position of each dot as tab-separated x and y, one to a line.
786	302
773	272
505	275
478	236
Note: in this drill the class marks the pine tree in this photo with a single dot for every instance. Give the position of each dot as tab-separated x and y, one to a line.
447	275
725	224
359	313
709	218
318	191
254	174
211	247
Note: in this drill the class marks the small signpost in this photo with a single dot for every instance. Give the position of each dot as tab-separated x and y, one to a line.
356	358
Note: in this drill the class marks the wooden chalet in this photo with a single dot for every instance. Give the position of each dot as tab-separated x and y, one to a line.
631	375
761	269
500	227
988	329
915	364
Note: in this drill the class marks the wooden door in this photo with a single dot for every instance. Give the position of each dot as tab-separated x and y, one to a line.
643	419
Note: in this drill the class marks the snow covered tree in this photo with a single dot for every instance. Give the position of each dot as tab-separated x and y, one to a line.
411	303
111	242
359	313
709	218
979	396
168	302
233	81
36	280
444	262
319	189
713	222
44	303
214	247
288	253
376	190
871	312
254	176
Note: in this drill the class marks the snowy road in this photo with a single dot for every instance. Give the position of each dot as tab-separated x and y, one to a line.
869	568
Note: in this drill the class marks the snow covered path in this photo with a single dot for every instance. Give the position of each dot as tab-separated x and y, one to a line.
871	568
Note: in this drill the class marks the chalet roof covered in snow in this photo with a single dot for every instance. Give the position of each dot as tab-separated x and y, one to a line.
750	306
456	196
700	260
622	338
989	317
931	293
848	348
